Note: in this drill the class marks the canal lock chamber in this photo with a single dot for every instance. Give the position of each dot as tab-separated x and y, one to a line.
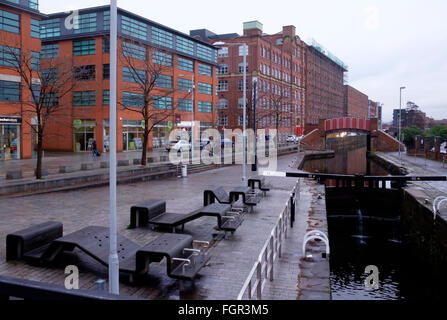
385	228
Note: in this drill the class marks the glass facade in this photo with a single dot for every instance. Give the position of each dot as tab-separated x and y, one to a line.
84	134
205	70
50	28
84	98
185	64
134	51
49	51
205	106
35	28
133	135
131	99
205	88
84	47
133	28
131	75
163	81
9	91
9	56
9	22
86	23
162	58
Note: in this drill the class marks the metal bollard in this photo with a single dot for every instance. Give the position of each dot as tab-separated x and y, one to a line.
101	285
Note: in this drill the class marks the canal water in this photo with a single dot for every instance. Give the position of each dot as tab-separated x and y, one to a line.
365	229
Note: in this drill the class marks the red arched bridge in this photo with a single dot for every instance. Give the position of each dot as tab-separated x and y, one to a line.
347	124
378	140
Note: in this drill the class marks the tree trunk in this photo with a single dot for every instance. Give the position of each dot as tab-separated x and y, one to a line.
39	154
145	141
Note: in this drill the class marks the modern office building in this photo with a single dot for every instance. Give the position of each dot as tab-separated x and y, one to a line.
19	31
142	46
276	62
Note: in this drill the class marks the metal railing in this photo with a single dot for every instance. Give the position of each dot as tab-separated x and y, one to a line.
316	235
263	268
437	205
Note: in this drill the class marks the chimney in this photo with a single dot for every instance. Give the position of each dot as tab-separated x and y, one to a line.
252	28
289	31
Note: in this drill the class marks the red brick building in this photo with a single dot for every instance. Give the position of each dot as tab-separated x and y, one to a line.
324	85
277	62
19	31
84	114
356	103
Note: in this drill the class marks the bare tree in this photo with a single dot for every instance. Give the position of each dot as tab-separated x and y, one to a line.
46	87
151	94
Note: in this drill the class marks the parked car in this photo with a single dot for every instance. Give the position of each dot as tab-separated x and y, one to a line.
225	142
292	138
171	144
182	145
204	143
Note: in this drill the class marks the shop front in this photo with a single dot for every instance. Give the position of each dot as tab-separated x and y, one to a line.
160	134
133	135
10	133
84	134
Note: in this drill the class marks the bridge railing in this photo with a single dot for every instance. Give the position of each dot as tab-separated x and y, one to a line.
263	268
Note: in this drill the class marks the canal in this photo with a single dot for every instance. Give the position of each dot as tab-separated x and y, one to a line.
366	229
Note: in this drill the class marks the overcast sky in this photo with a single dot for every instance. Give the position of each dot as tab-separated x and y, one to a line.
386	44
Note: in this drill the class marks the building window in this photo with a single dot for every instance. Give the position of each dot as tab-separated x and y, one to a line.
205	70
241	67
9	57
240	103
184	45
131	99
163	81
35	28
86	23
222	104
205	106
223	85
223	120
205	88
162	37
106	71
84	47
133	28
184	84
106	97
83	73
240	85
50	28
162	58
134	51
49	75
222	52
162	102
50	100
84	98
134	75
223	69
49	51
35	60
206	53
185	64
106	20
184	105
9	22
9	91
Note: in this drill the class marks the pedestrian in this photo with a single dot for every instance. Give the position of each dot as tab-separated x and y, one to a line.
94	149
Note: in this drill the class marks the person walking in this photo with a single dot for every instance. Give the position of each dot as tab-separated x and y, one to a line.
94	149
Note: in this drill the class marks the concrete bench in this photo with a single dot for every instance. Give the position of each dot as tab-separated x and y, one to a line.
65	169
14	174
123	163
86	166
21	243
136	161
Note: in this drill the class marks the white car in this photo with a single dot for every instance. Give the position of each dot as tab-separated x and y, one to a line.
292	138
181	145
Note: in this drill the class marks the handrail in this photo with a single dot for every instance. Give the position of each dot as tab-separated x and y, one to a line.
437	205
316	235
272	249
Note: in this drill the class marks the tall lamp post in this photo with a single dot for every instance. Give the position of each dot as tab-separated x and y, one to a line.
243	51
400	121
113	255
192	113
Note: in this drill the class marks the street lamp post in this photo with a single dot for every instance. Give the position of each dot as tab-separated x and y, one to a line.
113	255
400	121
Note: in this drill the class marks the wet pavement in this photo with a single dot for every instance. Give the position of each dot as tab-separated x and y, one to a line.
231	259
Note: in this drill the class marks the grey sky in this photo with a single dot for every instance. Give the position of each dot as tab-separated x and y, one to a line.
387	44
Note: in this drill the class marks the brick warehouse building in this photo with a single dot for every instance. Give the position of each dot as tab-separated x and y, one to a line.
324	85
19	29
85	115
277	61
356	103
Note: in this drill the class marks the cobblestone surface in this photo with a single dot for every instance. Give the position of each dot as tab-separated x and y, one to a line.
231	260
